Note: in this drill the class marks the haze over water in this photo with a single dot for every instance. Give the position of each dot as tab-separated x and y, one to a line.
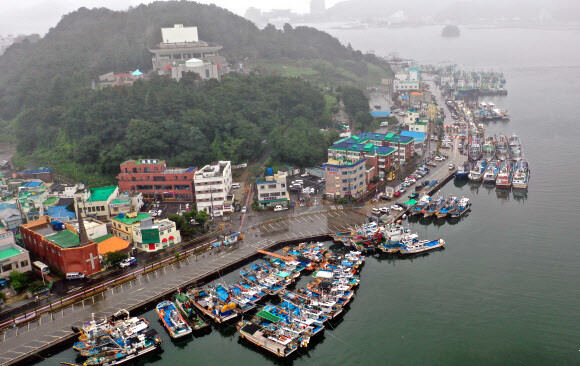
505	289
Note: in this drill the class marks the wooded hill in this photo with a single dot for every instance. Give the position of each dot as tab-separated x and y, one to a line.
45	92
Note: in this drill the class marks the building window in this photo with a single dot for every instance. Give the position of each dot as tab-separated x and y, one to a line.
184	177
159	179
7	267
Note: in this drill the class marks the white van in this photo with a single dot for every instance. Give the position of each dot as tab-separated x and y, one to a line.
236	185
75	276
279	208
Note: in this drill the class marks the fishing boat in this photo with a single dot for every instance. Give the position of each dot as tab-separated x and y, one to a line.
422	203
292	315
461	209
474	152
326	305
462	171
488	149
172	320
136	347
185	306
447	207
521	175
478	170
271	279
502	149
490	174
267	331
505	175
213	303
421	246
433	207
515	147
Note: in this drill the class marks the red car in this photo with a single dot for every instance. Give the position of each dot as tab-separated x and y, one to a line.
397	194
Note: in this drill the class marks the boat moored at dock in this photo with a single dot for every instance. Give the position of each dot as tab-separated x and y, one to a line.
421	246
172	320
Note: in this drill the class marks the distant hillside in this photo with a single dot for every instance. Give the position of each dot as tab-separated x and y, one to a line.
87	43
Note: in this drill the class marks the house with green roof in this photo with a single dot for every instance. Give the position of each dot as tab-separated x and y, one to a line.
95	202
12	257
123	224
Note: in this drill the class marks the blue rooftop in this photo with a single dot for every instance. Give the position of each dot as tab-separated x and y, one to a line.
32	184
418	136
39	170
380	113
60	213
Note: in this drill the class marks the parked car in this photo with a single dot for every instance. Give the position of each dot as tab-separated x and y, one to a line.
396	208
244	209
237	208
451	166
384	209
128	262
397	194
375	211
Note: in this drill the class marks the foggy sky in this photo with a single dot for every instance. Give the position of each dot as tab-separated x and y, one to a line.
37	16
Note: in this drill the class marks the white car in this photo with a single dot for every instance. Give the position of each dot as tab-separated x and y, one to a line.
384	209
244	209
127	262
396	208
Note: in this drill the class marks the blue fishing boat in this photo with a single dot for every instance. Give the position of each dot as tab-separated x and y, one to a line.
172	320
461	209
462	171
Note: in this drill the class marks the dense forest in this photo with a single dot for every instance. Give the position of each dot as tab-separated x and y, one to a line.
190	122
88	43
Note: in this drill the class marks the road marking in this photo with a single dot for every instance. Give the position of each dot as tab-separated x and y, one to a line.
278	224
309	233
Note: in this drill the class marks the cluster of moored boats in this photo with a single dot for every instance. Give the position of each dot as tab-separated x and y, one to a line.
280	328
389	238
115	340
302	314
498	161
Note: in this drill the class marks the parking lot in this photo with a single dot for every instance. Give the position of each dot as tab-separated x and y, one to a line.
306	189
311	224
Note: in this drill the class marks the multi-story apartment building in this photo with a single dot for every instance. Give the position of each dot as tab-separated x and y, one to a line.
154	180
272	190
212	185
345	178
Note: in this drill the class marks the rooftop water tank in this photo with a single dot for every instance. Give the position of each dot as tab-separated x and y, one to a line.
269	172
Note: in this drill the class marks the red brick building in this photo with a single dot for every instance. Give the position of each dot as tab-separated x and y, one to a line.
61	248
154	180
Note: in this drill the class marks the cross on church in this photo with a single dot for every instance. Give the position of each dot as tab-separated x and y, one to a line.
92	259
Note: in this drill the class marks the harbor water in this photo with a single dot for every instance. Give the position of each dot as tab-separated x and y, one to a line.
505	290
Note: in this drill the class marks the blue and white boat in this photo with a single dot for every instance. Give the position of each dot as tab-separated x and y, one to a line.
172	319
461	209
477	172
420	246
462	171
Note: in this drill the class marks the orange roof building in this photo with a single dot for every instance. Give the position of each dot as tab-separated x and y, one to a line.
110	243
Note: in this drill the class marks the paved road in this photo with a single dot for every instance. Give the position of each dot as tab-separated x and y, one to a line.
49	328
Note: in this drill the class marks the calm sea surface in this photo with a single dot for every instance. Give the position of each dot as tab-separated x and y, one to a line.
506	288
